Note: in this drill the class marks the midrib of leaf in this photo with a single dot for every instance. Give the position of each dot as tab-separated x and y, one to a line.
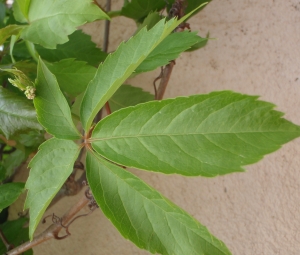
155	205
59	14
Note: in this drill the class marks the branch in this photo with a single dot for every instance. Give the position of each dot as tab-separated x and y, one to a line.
53	230
5	241
165	77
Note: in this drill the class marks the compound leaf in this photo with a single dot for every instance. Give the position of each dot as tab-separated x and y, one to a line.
72	76
208	135
52	108
169	49
55	20
144	216
128	95
16	113
50	168
118	66
79	46
9	193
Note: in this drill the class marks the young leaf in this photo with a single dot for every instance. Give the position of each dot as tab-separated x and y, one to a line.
138	9
50	168
207	135
16	113
8	31
120	65
72	76
16	233
169	49
128	95
9	193
144	216
12	161
55	20
79	46
52	108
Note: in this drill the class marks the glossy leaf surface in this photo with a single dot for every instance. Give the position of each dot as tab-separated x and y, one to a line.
55	20
50	168
72	76
169	49
118	66
128	95
209	135
52	108
16	113
9	193
79	47
144	216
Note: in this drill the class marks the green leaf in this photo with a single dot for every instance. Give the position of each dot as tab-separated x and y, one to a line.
207	135
52	108
202	43
50	168
16	234
20	80
12	161
150	21
72	76
138	9
55	20
16	113
144	216
193	4
21	8
128	95
120	65
9	193
169	49
8	31
79	46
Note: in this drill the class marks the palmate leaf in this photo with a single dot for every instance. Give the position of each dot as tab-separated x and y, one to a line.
55	20
208	135
16	114
169	49
52	108
79	46
128	95
138	9
144	216
72	76
50	168
9	193
118	66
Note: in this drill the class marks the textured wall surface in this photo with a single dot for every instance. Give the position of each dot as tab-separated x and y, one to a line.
258	212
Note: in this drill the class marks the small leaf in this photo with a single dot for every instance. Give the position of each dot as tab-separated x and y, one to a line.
21	81
118	66
12	161
144	216
9	193
55	20
8	31
16	233
52	108
206	135
50	168
169	49
128	95
16	114
72	76
150	21
79	46
202	43
138	9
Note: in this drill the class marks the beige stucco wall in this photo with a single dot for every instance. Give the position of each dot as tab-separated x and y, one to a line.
254	213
